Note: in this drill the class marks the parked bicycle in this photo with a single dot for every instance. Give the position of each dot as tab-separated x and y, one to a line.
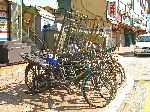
81	62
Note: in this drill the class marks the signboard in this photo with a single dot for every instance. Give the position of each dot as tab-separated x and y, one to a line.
112	9
2	7
4	33
3	14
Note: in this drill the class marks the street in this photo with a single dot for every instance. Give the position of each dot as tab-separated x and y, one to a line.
54	55
14	99
138	69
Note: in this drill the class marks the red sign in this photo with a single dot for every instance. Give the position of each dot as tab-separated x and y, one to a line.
112	9
4	11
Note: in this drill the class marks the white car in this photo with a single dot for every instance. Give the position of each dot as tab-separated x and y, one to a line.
142	45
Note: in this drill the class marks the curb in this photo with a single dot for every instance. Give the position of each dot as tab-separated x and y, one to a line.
115	104
126	53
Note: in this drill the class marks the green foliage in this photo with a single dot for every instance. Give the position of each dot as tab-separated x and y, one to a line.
64	4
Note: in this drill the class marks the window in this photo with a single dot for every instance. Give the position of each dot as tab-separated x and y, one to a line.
144	39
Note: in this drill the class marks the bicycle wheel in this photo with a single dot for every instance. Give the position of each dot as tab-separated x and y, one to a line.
122	71
97	90
114	71
35	79
119	73
107	71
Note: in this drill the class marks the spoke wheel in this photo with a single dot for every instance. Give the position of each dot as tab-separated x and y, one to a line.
35	78
119	73
97	90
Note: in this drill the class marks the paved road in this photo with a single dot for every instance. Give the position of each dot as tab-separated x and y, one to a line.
14	99
137	67
138	100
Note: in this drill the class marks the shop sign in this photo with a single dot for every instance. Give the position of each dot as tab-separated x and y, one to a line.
3	7
3	15
112	9
3	21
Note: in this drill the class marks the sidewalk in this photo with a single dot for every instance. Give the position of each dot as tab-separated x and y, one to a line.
15	83
125	50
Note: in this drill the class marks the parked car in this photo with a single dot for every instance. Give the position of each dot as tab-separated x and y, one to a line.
142	45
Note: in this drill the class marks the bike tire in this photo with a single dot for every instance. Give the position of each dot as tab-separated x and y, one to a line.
94	101
37	83
118	68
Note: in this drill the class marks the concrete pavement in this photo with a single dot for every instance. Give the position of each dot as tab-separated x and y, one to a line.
121	95
125	50
112	107
147	100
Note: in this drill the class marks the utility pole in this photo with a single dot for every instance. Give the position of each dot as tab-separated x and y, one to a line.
21	20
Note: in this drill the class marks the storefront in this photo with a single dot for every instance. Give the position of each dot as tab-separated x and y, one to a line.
129	38
4	21
15	31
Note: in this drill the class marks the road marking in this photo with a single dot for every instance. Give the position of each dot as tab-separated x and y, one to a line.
147	100
5	69
142	81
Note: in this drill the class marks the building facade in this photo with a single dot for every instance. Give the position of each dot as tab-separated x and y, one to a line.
122	20
132	20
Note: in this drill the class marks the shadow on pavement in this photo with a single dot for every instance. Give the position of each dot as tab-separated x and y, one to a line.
139	56
56	99
143	56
